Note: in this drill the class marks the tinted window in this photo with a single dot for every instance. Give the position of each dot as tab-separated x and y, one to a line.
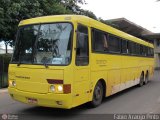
103	41
124	46
25	44
114	44
142	50
133	49
145	50
137	49
82	52
100	41
129	46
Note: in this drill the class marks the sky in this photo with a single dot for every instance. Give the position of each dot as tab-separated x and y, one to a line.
145	13
2	45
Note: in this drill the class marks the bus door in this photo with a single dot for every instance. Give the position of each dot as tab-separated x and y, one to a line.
82	69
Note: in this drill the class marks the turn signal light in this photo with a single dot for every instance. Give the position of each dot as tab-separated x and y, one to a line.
12	83
67	88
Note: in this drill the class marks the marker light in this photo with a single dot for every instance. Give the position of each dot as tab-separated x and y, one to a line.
52	88
13	83
60	88
66	88
59	102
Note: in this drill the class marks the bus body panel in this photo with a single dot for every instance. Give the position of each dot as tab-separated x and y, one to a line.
48	100
118	73
33	79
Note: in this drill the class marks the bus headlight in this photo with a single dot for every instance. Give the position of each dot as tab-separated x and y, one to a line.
60	88
52	88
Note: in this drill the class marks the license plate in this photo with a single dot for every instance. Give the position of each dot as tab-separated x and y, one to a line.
32	100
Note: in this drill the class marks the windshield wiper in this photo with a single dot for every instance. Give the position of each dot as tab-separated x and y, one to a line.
45	64
45	61
19	63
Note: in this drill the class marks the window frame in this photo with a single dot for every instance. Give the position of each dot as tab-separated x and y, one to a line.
72	37
119	44
105	33
126	46
128	42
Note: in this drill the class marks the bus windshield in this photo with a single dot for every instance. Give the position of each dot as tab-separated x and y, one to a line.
43	44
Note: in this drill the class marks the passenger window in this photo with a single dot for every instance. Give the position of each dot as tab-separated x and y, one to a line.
133	48
124	46
100	41
137	49
143	50
128	47
82	46
114	44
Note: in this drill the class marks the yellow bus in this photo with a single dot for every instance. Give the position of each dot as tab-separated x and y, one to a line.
66	60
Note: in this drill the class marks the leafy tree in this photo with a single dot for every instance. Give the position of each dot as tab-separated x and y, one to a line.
73	5
13	11
53	7
88	13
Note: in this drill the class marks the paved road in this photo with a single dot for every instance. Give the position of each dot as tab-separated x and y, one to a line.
135	100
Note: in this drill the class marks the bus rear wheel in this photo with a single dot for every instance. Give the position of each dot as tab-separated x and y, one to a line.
141	80
97	95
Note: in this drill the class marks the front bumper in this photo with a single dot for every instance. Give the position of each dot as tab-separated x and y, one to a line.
47	100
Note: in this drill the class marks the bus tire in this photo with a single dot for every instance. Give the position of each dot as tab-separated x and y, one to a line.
97	95
146	78
141	80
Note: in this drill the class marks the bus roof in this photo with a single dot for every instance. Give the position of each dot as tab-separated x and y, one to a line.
53	18
87	21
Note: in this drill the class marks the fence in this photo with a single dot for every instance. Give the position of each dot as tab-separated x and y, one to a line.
4	63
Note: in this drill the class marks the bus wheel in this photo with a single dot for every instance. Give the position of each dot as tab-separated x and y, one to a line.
146	78
141	80
97	95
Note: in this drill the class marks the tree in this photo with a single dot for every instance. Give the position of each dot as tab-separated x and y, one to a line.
53	7
73	5
13	11
88	13
6	30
